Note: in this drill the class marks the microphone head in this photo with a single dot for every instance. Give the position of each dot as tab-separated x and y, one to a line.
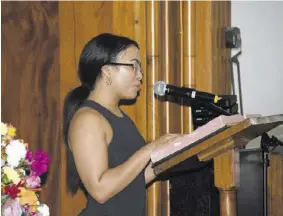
160	88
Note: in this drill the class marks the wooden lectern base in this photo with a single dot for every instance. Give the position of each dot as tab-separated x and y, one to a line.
228	200
226	179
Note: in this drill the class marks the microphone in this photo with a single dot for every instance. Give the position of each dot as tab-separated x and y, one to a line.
161	88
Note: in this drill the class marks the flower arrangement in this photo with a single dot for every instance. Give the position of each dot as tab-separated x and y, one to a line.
21	172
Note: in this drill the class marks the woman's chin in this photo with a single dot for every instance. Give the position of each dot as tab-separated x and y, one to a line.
131	96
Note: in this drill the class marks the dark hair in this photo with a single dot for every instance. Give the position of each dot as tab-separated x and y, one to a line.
99	51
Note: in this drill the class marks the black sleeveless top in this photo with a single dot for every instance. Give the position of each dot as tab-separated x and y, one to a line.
125	142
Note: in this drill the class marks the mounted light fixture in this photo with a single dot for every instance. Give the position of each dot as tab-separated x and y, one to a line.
233	37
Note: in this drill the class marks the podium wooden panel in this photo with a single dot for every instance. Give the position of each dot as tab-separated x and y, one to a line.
223	148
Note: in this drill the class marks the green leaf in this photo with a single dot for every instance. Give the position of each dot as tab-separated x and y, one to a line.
5	180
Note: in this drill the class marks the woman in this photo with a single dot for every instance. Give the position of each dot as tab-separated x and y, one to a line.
106	153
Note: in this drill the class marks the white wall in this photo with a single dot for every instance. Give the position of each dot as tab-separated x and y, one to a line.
261	63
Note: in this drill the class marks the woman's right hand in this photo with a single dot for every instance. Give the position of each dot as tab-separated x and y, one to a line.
163	140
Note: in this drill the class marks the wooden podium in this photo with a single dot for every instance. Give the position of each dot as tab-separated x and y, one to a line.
223	148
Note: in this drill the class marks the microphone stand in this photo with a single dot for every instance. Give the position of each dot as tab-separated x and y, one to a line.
266	143
235	60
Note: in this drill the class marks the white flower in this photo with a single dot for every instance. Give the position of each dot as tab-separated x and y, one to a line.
11	207
15	151
43	210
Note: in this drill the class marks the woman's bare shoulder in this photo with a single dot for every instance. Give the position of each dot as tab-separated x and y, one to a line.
86	121
88	117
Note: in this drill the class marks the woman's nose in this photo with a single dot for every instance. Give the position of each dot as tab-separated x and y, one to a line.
139	74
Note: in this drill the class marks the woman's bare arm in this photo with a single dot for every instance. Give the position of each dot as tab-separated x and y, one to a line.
89	147
149	174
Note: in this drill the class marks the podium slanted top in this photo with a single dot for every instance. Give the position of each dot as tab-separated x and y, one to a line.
213	137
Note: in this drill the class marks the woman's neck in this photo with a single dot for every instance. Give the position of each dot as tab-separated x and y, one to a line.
106	98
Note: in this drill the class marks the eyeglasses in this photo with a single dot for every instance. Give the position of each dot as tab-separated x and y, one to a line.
136	67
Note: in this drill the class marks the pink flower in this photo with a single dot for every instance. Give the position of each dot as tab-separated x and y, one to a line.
33	181
12	208
29	156
29	212
40	163
42	156
2	162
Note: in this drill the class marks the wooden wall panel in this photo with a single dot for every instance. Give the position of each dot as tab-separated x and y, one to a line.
275	184
140	33
221	73
203	46
30	82
171	71
133	24
212	71
153	105
78	22
186	58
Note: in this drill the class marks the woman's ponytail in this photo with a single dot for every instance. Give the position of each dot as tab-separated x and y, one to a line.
72	102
